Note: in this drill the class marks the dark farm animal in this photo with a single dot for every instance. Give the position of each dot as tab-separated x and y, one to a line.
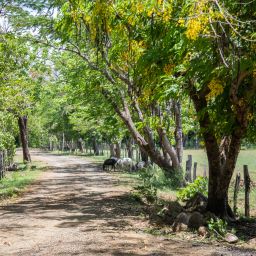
115	158
109	162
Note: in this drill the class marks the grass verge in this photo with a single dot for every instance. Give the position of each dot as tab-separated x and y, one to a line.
15	182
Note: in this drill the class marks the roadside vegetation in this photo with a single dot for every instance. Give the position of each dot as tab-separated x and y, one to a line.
16	182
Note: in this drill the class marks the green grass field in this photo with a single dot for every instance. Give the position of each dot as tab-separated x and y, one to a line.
246	157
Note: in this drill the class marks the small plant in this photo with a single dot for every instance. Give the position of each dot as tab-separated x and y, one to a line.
217	227
176	179
198	186
147	190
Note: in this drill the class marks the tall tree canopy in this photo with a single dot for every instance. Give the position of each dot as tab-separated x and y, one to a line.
147	58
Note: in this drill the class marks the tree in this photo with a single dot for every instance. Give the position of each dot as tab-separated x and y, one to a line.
213	61
16	84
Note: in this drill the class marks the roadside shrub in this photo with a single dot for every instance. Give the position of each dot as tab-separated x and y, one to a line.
200	185
154	178
148	189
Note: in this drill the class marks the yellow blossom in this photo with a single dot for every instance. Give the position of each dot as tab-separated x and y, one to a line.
150	12
140	7
181	22
193	29
166	16
216	89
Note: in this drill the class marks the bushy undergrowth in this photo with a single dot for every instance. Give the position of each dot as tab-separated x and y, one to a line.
153	179
200	185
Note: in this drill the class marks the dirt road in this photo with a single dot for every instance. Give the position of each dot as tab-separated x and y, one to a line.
76	209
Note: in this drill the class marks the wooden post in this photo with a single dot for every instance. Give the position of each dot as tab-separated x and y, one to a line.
205	171
188	168
63	142
50	144
236	190
194	170
247	182
1	165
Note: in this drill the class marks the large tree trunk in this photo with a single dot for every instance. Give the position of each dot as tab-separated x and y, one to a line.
222	156
80	143
118	150
96	148
22	121
218	181
144	156
219	174
112	150
129	146
169	148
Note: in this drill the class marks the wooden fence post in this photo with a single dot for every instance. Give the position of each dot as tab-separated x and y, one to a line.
205	171
247	182
1	165
236	190
188	168
194	170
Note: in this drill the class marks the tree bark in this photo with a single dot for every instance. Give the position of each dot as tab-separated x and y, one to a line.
63	141
112	150
221	157
129	147
169	148
22	122
96	148
80	145
117	150
178	131
144	156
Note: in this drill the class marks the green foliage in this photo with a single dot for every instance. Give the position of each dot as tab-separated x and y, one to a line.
7	143
147	190
175	179
217	227
153	179
200	185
